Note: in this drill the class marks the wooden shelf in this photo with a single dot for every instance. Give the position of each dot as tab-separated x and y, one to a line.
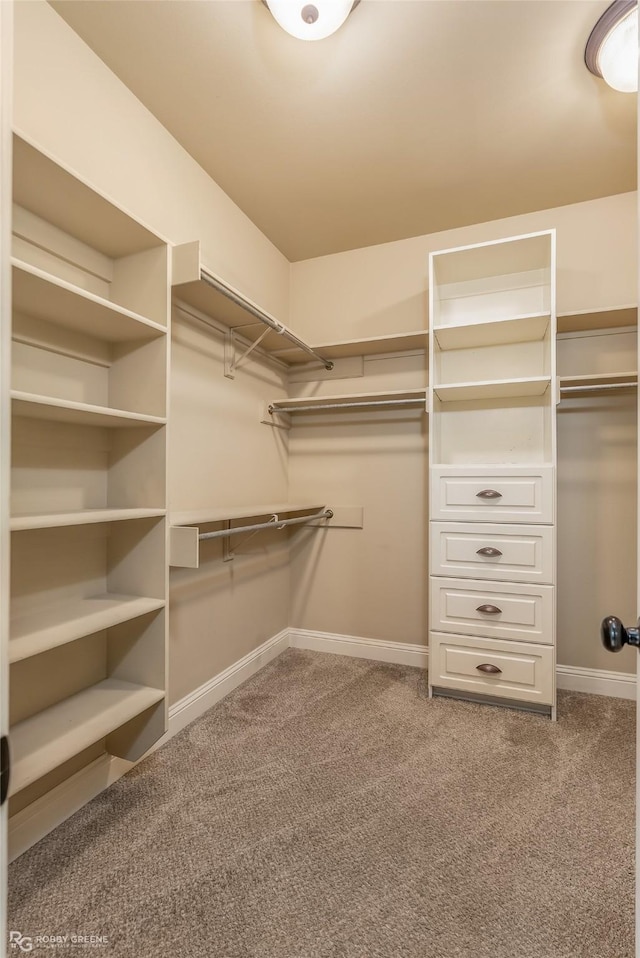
184	546
497	389
39	294
389	395
51	520
200	517
372	346
50	627
586	320
531	327
41	743
66	410
592	381
44	187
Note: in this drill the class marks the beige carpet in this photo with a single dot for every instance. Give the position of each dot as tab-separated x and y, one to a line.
327	809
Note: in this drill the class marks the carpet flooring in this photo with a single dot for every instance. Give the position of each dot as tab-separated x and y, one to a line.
328	809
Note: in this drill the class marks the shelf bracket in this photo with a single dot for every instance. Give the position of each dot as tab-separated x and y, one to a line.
228	554
231	363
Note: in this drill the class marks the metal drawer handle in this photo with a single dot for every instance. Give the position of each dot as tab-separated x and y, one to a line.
489	669
489	551
488	494
489	609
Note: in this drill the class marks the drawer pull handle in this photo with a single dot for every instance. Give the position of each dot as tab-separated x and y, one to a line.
489	609
489	669
488	494
489	551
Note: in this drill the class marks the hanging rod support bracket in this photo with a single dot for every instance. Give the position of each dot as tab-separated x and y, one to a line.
275	522
251	309
231	362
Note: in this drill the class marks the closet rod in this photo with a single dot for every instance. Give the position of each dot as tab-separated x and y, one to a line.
349	405
597	388
273	523
280	328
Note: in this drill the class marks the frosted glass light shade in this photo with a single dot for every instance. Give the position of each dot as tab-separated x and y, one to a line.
312	20
618	59
612	48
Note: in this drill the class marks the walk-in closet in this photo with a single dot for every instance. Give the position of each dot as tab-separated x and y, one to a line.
318	406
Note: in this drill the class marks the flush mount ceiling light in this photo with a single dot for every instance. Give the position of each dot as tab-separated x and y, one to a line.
612	48
311	21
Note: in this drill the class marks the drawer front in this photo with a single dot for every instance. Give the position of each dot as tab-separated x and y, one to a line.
504	553
487	495
514	670
508	611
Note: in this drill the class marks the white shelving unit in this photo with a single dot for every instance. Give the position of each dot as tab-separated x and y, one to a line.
88	467
493	392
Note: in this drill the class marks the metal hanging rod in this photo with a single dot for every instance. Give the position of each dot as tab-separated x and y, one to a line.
597	388
249	307
349	405
273	523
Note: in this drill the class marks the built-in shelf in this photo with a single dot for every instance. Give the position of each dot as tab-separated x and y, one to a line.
497	389
184	532
591	382
197	286
200	517
87	414
39	294
51	520
51	737
42	186
36	632
585	320
371	346
518	329
388	397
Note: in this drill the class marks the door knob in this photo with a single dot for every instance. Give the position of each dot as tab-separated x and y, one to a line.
614	635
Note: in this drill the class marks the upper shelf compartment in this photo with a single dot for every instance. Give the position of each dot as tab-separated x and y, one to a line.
68	230
197	286
486	283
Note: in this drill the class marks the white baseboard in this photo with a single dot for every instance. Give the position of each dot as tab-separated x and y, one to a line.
195	704
399	653
594	681
44	814
36	820
620	685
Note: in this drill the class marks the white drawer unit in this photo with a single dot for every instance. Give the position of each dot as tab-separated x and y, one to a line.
492	470
505	553
506	610
520	671
482	494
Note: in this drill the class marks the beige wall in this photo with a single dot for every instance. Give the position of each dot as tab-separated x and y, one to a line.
369	582
372	583
383	289
73	106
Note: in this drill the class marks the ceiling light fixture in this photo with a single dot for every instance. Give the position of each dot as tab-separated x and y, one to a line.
311	21
612	48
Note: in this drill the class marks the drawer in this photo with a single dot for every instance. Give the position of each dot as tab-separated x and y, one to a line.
506	553
488	494
516	670
505	611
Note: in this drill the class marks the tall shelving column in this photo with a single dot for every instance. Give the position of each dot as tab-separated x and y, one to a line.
89	573
493	395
